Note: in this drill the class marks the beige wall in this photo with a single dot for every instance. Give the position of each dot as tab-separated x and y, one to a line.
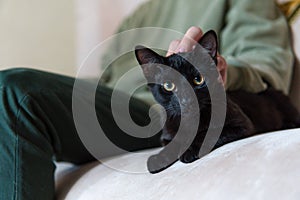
56	35
38	34
97	20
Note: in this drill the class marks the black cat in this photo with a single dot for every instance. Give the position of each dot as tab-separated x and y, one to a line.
247	113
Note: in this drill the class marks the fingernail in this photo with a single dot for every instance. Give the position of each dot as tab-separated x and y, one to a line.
181	50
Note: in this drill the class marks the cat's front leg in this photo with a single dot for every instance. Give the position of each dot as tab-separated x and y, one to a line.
190	155
159	162
164	159
231	134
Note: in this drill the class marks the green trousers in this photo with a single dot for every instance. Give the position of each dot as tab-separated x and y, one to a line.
37	127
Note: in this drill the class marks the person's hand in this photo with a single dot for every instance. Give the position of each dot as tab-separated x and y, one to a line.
188	42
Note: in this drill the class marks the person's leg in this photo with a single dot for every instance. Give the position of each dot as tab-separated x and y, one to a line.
36	126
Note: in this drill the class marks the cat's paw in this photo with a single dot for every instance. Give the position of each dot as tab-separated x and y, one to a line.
158	163
189	156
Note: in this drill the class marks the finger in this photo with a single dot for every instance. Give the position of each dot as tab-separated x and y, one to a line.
190	38
173	46
222	68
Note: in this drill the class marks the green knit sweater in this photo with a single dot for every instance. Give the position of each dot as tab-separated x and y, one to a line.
253	34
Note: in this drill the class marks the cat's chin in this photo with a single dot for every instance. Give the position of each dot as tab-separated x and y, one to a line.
164	142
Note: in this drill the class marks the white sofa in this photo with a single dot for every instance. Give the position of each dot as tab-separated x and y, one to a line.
262	167
259	168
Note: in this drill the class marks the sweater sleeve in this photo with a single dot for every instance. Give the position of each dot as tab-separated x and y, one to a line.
254	38
256	45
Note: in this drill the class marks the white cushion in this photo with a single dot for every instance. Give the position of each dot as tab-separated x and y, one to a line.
262	167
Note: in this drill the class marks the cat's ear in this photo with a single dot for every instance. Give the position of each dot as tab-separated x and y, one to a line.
145	55
209	41
147	59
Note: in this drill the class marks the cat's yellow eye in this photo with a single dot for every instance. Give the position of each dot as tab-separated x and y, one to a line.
199	80
169	86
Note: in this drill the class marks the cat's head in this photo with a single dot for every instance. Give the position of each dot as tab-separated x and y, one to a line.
169	88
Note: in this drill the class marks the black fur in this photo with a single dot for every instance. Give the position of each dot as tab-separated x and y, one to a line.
247	113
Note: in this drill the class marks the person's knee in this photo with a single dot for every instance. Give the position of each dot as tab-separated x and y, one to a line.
19	80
